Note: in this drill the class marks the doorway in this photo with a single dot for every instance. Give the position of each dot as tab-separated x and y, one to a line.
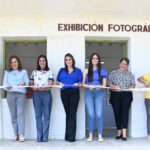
28	53
110	52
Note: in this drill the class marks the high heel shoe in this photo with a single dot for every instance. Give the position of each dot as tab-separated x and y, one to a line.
124	138
100	139
118	137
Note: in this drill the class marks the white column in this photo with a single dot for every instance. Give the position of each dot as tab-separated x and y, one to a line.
139	56
57	47
1	76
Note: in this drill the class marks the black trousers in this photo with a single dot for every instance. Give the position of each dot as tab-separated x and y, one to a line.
70	99
121	102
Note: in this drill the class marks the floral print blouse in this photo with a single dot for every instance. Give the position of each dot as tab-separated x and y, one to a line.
123	79
41	77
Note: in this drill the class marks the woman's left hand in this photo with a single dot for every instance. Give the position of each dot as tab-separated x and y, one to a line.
99	87
91	87
21	84
130	88
76	84
46	88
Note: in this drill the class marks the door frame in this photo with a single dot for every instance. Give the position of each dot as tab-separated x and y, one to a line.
118	40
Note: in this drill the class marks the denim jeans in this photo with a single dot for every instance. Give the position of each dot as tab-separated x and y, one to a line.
147	104
94	105
42	101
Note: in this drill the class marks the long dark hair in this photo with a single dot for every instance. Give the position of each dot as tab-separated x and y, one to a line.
90	68
73	61
19	63
38	66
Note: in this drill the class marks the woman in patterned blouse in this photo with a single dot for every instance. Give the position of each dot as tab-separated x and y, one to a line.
42	98
121	100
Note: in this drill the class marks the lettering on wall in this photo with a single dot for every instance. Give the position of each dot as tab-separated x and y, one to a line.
101	27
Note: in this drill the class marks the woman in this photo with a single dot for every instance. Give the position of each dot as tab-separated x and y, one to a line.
93	78
42	79
16	76
121	100
70	77
145	79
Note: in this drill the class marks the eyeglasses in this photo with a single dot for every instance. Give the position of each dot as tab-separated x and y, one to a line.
68	59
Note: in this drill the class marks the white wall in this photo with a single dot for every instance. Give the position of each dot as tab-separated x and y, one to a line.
139	56
1	68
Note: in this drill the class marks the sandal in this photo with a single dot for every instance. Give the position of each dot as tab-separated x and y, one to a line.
89	139
100	139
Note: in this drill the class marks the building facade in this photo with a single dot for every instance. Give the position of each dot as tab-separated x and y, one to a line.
40	23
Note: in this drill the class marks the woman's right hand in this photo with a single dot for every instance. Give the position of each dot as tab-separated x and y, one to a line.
85	86
147	84
116	87
34	89
61	84
91	87
9	87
